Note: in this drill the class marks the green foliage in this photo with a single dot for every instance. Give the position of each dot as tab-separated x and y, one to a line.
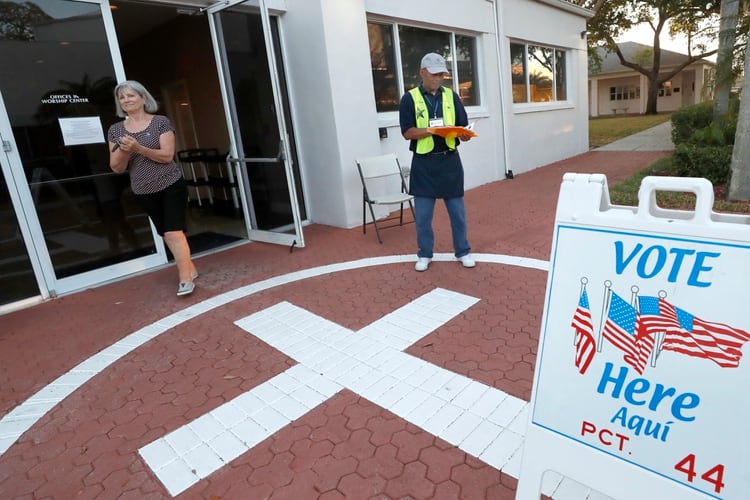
686	120
711	162
703	146
718	133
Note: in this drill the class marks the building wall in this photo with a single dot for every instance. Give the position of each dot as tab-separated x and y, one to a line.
327	57
687	89
541	133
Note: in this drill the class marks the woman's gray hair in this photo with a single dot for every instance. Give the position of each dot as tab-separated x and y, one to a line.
150	106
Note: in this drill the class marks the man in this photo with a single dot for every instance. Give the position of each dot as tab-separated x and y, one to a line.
436	169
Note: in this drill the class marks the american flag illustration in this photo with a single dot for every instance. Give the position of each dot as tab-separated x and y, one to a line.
657	325
696	337
584	328
620	327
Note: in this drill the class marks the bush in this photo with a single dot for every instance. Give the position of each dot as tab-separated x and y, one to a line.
703	147
687	120
712	162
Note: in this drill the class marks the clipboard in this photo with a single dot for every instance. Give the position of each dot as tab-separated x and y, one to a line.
448	132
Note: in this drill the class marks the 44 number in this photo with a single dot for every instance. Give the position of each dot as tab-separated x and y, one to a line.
714	475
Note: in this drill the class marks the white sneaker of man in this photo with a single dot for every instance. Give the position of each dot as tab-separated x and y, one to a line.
467	260
422	264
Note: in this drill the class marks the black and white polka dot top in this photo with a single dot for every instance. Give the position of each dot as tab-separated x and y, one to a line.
148	176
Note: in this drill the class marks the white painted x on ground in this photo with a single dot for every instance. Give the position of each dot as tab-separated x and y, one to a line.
479	419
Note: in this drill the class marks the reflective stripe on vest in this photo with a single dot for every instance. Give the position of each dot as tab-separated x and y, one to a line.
427	144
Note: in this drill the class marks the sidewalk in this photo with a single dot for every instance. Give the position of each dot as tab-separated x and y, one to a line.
315	374
657	138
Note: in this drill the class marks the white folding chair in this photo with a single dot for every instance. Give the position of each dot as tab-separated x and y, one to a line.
383	183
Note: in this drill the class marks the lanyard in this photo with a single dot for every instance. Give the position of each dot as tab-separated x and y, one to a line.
435	104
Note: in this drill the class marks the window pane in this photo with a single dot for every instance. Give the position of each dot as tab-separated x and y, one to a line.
540	73
518	72
466	48
415	43
561	85
383	62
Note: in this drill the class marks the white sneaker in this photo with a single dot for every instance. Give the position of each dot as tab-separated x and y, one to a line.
422	264
467	260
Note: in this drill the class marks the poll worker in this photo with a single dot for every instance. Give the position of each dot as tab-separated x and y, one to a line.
436	169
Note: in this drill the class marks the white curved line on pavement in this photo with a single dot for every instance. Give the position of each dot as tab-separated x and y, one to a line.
25	415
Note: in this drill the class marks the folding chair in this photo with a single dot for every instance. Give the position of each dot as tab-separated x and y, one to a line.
383	183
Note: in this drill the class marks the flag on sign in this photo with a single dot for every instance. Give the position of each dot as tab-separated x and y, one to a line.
584	328
699	338
620	327
656	316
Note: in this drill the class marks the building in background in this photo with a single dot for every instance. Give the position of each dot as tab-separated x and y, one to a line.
272	101
618	89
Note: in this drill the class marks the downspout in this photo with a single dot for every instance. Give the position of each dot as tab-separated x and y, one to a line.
503	118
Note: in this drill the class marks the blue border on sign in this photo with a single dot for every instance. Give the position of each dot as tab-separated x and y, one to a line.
543	335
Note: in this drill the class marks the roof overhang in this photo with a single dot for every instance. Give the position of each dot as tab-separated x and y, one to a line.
569	7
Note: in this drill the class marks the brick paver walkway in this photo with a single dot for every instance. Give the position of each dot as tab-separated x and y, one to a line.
89	444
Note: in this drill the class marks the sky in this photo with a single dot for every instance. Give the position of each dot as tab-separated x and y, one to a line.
645	35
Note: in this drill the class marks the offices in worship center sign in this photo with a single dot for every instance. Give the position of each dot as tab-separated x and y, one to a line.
642	366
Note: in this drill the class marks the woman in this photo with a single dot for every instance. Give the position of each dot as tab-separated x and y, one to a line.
143	144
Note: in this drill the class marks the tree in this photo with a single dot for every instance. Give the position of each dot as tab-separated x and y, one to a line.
17	21
696	19
725	73
739	184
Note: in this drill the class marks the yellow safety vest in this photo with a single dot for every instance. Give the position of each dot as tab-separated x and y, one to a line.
427	144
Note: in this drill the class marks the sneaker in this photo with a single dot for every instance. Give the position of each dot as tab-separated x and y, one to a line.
467	260
422	264
186	288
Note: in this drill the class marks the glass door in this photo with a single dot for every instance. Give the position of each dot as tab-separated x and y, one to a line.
262	153
59	63
16	267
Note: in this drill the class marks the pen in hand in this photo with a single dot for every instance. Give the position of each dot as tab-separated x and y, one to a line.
114	148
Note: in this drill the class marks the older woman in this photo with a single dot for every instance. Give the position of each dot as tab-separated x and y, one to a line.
143	145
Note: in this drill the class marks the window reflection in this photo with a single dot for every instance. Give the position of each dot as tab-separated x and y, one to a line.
413	44
518	72
538	73
55	63
383	63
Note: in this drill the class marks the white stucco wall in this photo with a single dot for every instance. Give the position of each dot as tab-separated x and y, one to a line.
542	133
326	52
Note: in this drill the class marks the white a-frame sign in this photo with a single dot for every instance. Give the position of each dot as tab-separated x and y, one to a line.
640	388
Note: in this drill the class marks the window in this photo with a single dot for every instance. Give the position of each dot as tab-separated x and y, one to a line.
665	89
390	43
538	73
624	93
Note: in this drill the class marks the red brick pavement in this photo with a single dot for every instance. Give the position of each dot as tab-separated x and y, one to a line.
87	445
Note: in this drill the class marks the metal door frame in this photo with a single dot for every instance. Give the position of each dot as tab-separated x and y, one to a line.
235	159
22	199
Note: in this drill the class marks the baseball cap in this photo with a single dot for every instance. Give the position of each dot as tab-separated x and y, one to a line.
434	63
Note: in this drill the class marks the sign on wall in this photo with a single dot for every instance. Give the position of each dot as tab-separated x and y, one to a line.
640	377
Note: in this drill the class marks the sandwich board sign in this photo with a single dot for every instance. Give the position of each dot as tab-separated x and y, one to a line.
640	382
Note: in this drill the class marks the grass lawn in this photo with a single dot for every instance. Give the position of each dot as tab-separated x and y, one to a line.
605	130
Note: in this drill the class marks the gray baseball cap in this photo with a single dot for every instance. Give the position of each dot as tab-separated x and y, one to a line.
434	63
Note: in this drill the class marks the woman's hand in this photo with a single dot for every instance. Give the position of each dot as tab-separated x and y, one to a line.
128	144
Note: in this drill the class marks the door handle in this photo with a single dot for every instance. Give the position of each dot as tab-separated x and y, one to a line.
6	145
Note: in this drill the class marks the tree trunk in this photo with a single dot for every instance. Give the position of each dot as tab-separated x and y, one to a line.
739	185
652	97
724	74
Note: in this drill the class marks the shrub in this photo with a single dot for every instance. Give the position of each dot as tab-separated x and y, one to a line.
720	133
712	162
687	120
